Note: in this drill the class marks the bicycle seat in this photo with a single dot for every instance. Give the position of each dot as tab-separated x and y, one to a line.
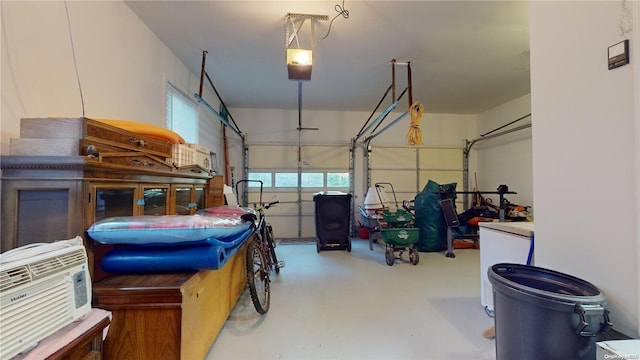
249	217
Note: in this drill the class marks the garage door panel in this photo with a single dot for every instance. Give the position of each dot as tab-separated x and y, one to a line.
307	196
272	156
401	180
285	197
438	158
283	228
308	227
405	196
308	207
284	158
441	177
325	156
393	158
285	208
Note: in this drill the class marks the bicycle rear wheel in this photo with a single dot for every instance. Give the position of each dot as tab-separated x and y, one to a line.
258	277
272	249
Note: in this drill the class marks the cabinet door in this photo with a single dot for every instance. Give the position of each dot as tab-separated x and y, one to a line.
183	195
188	199
199	199
154	200
110	200
36	211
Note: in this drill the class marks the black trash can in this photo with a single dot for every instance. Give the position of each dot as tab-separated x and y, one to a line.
333	220
544	314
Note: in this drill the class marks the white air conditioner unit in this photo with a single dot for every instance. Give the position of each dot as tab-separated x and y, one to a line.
43	288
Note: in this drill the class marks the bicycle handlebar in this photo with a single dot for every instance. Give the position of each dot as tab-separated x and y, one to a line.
271	204
261	204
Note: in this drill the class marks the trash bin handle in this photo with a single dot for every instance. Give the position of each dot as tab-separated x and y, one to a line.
604	326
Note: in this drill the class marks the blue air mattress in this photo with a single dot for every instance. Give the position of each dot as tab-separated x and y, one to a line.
166	230
209	254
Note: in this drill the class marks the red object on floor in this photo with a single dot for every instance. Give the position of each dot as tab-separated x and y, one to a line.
464	244
364	233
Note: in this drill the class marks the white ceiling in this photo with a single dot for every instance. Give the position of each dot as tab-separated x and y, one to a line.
466	56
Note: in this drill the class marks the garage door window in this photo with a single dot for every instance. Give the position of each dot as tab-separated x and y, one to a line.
264	176
286	179
308	180
337	180
312	180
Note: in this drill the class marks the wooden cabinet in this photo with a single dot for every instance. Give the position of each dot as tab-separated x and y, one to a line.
100	171
48	198
169	316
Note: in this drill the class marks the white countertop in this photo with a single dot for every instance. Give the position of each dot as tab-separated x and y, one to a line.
523	228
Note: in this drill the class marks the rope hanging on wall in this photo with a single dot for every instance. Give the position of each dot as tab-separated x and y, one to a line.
414	136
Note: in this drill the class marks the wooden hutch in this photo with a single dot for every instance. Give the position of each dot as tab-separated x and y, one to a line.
48	198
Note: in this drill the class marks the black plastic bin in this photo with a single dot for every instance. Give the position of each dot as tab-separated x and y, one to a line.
333	220
544	314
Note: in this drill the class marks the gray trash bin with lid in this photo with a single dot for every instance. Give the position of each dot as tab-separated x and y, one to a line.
545	314
333	220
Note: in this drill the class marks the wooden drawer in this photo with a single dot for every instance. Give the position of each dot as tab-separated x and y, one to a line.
110	154
92	130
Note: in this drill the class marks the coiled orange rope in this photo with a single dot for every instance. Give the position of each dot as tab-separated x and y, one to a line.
414	136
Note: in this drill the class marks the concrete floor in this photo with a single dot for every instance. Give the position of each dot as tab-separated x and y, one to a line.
340	305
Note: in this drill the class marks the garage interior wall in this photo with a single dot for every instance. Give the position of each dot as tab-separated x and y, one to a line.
506	159
585	148
583	134
123	67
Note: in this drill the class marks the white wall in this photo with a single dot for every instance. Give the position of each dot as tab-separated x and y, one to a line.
585	149
635	53
122	65
506	159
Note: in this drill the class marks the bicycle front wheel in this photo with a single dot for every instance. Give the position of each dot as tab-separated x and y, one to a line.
258	277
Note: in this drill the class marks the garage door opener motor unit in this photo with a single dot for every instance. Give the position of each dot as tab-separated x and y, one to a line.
44	288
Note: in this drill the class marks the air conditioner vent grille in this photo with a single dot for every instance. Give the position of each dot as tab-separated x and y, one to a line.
43	287
55	264
14	277
29	320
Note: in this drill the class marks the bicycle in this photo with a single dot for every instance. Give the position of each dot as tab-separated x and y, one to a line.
261	255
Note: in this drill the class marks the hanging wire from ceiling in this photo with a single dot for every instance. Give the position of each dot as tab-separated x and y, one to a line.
341	11
73	53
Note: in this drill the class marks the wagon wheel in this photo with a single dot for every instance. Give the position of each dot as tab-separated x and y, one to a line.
414	257
348	244
389	257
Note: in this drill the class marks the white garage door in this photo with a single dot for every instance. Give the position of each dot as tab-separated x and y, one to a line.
408	169
294	180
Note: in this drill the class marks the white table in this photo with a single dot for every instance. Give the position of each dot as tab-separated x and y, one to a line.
502	242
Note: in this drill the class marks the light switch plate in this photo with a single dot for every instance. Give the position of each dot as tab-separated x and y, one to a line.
618	54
